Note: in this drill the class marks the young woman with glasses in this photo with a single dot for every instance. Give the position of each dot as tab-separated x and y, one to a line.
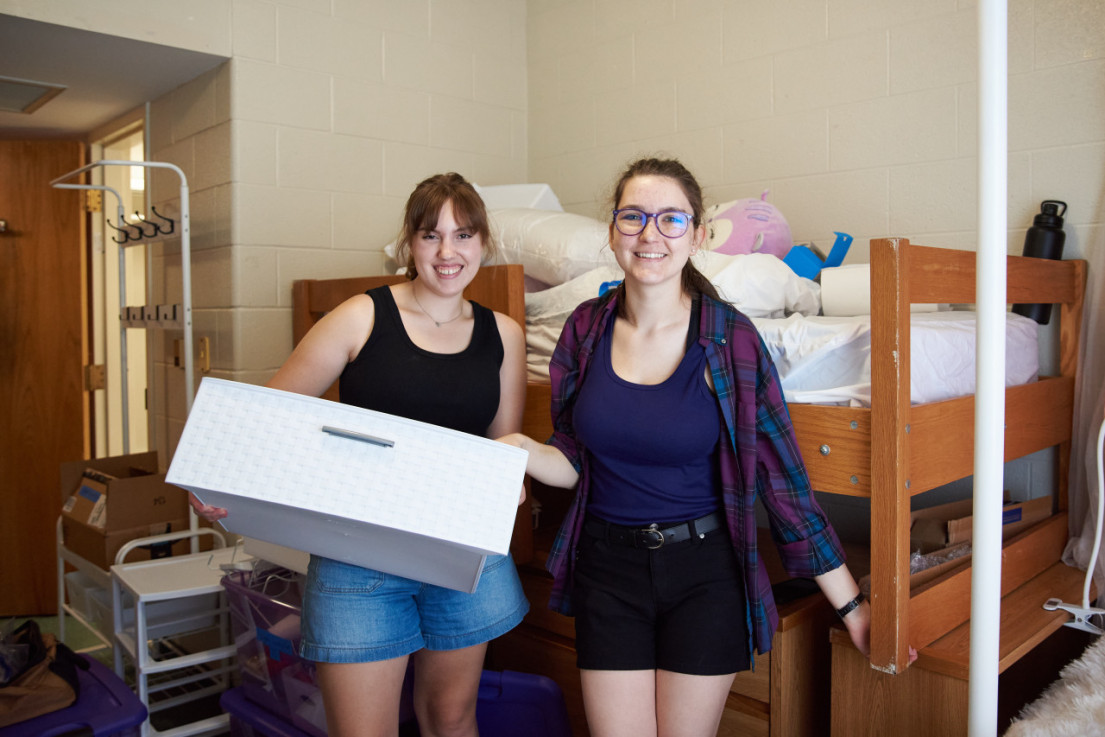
668	414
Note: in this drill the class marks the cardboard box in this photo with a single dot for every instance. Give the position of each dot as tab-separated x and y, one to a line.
946	525
99	547
107	502
364	487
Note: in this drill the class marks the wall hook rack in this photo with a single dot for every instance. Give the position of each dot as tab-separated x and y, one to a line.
140	226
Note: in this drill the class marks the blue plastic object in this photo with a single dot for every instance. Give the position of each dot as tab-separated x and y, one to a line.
510	704
249	718
606	286
805	262
515	704
106	707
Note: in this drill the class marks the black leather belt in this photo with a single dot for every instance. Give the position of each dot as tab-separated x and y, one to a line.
653	536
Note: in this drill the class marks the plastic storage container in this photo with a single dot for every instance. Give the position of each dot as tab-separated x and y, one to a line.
248	719
510	705
515	704
265	606
106	708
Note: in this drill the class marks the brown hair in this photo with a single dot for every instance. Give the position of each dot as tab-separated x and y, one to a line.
424	205
694	281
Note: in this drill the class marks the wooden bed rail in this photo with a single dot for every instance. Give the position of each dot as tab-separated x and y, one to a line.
907	442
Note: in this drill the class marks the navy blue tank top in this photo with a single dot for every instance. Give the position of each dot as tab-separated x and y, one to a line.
652	449
391	374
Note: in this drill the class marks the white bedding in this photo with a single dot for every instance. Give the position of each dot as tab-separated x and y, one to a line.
827	360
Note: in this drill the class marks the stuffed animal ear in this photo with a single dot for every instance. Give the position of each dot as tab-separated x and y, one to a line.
751	225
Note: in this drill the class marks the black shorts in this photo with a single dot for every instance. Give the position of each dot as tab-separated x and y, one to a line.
680	607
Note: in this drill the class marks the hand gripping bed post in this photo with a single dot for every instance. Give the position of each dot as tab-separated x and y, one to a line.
1082	614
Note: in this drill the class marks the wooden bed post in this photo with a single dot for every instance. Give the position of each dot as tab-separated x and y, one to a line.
1070	339
890	476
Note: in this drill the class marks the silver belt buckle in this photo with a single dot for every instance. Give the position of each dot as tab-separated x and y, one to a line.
655	536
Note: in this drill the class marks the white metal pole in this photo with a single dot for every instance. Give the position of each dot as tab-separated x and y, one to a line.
990	368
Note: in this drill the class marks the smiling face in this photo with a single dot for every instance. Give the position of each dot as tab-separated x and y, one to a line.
447	256
649	257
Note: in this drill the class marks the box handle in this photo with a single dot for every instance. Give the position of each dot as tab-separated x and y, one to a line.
382	442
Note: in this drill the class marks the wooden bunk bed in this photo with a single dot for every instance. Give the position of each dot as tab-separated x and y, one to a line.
888	453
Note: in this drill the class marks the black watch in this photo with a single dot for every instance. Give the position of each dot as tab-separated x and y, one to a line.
845	610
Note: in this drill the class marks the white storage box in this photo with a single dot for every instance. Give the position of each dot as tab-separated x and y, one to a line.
368	488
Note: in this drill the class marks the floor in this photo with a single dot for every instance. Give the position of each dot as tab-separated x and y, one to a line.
1066	645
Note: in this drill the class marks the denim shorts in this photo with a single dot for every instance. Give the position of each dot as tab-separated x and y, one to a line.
357	615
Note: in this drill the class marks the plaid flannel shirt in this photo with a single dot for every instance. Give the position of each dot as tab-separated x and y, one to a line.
758	452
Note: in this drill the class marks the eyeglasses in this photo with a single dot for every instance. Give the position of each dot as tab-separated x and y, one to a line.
671	224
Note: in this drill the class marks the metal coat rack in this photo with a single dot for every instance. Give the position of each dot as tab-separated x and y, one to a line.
144	231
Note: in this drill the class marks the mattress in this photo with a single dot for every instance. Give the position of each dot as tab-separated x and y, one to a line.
827	360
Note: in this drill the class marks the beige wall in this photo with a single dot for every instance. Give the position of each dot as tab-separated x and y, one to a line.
858	115
301	150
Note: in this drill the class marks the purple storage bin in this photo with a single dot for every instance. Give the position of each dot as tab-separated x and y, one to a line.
106	707
510	705
520	705
248	719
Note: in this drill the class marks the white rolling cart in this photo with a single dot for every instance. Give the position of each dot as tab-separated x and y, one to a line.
94	610
184	596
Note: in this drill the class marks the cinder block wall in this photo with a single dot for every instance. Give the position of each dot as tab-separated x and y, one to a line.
302	149
858	116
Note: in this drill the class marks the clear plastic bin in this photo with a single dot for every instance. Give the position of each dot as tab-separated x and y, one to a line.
265	606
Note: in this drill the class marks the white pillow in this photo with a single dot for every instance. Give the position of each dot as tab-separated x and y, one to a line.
549	309
553	247
759	284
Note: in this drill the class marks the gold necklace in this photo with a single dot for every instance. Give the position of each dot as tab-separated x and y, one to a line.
427	314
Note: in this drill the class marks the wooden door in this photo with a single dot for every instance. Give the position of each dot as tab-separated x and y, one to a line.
43	406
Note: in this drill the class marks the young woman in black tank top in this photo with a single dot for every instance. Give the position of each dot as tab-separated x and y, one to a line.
418	350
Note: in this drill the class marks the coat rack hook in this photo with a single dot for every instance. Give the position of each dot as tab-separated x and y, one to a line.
142	223
163	229
124	231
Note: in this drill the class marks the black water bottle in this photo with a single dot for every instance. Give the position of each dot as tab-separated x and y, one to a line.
1044	240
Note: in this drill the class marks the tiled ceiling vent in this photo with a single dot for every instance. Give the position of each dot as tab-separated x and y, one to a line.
26	96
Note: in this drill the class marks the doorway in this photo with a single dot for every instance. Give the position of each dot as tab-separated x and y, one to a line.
119	279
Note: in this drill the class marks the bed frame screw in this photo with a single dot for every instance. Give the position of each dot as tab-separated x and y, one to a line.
825	450
854	480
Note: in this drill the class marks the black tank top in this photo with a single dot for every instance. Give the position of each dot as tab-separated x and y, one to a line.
393	375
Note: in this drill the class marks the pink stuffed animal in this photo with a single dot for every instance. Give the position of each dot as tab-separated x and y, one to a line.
749	226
